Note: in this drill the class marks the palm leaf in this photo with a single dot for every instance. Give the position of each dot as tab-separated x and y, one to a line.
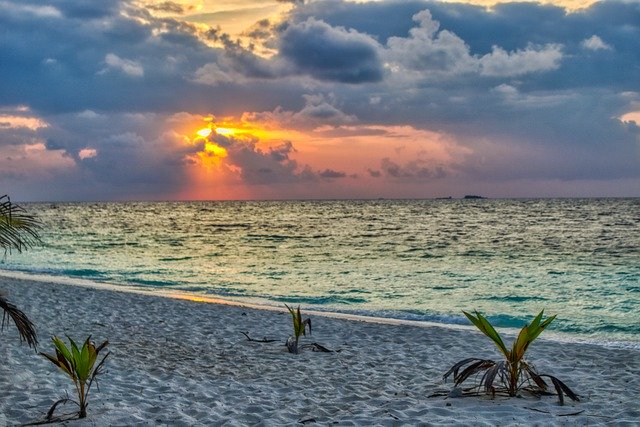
456	367
536	327
18	228
490	376
473	366
561	389
537	379
79	365
62	348
486	328
513	373
520	345
26	329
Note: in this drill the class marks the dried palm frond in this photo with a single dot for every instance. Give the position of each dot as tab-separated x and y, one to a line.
26	329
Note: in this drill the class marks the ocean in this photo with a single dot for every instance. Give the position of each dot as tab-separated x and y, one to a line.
408	259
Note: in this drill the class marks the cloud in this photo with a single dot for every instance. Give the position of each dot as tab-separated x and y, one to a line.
214	74
530	60
169	7
127	66
331	54
331	174
374	173
429	50
595	43
511	95
412	170
28	9
264	166
319	110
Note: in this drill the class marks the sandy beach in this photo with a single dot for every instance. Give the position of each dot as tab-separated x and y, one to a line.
180	362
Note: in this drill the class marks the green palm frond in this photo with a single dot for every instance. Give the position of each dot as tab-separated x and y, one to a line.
299	328
80	365
483	324
18	231
18	228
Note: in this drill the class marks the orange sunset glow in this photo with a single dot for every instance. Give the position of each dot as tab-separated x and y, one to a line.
313	99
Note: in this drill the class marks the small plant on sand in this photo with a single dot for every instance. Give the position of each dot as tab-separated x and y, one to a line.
299	329
513	373
19	231
80	365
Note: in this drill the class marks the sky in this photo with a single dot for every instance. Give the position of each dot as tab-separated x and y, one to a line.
266	99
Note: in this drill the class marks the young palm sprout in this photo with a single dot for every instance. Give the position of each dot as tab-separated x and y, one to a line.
514	372
19	231
78	364
299	329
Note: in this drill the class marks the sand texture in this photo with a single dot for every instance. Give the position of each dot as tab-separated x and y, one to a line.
178	362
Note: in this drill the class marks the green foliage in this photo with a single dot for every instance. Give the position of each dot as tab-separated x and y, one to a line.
299	328
80	365
18	228
18	231
514	372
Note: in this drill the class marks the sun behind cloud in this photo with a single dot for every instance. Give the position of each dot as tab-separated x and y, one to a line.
204	132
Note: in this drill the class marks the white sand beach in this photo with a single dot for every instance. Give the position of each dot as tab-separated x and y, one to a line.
180	362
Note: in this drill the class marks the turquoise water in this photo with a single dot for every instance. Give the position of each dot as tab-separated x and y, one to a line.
422	260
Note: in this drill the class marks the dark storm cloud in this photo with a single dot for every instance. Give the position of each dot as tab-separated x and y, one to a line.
331	53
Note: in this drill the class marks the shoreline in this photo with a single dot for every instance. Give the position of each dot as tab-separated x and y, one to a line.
183	362
550	335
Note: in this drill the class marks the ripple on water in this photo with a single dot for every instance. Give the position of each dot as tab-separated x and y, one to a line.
507	258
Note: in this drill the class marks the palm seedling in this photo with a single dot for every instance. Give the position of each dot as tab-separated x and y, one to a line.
19	231
80	366
513	373
299	329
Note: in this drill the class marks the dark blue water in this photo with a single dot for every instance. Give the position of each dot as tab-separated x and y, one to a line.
424	260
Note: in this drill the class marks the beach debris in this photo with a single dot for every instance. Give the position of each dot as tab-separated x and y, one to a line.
264	339
513	373
317	347
455	392
542	411
19	231
299	329
79	365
